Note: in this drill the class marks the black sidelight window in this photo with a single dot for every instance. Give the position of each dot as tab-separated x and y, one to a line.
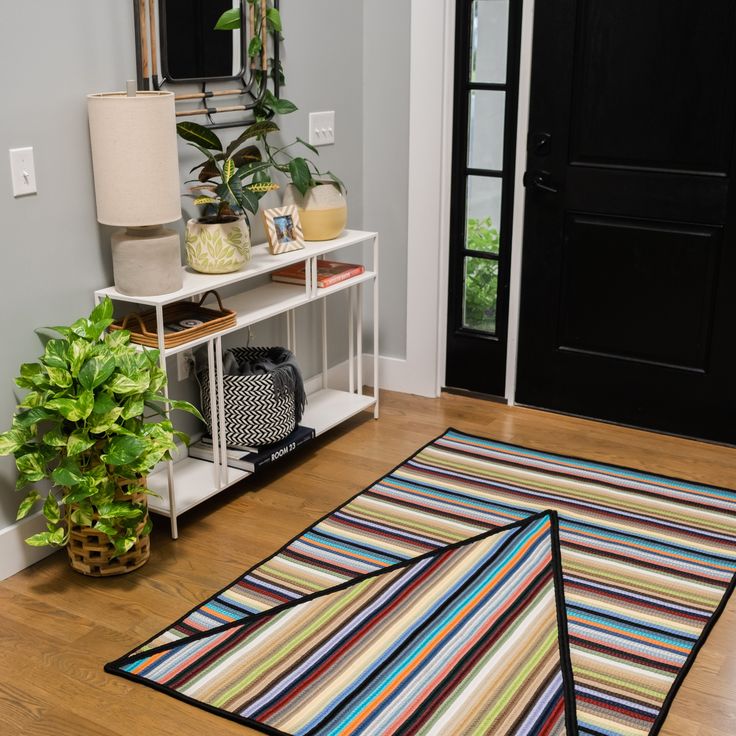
486	81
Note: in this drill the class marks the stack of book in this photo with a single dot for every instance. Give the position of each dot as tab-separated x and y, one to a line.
329	273
253	458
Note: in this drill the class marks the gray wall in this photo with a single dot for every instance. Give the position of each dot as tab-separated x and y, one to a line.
53	252
340	55
386	156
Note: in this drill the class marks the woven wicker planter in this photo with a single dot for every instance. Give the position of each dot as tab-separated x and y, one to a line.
92	553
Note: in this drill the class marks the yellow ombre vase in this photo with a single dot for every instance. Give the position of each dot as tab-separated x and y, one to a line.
323	211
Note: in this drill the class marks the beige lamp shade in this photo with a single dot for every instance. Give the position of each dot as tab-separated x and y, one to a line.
134	158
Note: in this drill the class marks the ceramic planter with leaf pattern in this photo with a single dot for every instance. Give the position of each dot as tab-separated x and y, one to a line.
218	247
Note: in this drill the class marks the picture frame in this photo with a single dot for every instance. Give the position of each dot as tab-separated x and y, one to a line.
283	229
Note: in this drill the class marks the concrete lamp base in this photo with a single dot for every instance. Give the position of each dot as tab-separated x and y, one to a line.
146	261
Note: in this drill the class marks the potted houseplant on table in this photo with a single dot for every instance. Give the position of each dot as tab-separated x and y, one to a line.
319	196
230	184
81	426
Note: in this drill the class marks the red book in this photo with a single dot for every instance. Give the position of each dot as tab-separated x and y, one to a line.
329	273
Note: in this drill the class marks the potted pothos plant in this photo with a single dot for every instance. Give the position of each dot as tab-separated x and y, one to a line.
81	427
228	186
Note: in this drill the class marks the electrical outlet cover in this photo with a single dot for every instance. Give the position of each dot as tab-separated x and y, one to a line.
184	365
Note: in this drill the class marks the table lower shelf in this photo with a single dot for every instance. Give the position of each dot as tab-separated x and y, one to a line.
195	481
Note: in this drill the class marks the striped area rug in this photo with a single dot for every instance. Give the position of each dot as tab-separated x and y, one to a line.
648	561
466	639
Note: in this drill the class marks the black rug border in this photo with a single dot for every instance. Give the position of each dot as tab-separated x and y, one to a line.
563	637
690	661
677	683
560	605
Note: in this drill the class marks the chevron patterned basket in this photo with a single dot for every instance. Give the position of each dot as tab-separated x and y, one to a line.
255	412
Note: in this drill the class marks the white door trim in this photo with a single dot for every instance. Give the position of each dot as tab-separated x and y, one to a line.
430	162
430	185
522	132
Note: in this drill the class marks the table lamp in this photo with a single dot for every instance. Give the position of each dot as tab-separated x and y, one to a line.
136	169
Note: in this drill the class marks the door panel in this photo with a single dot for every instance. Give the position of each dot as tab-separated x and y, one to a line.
659	102
628	310
638	291
675	198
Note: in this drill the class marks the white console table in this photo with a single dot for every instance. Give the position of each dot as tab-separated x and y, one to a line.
187	482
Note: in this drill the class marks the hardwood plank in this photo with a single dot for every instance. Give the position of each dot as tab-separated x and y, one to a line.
58	628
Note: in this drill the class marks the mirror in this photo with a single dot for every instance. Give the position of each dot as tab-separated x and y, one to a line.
177	44
191	50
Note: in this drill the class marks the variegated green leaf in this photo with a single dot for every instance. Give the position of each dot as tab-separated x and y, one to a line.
55	354
51	509
27	504
12	440
97	370
79	441
59	377
31	466
198	134
124	385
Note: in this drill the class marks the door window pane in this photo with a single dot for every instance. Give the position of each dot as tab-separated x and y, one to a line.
487	112
489	46
481	292
483	213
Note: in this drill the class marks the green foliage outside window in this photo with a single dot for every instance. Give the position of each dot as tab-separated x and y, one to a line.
481	235
481	277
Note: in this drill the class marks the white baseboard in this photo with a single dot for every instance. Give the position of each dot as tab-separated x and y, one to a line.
394	376
15	554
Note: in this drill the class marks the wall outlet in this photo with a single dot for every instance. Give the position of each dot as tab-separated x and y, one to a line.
184	363
322	128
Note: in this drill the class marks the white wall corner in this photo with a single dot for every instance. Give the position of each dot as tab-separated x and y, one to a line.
15	554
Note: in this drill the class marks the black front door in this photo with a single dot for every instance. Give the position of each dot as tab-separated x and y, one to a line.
629	269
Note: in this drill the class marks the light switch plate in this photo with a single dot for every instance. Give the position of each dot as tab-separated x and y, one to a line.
23	171
322	128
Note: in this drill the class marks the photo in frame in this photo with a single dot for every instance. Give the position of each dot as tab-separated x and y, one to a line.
283	229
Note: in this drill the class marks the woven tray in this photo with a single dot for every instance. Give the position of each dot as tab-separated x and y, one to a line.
142	326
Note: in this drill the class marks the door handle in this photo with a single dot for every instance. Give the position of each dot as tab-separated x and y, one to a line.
540	180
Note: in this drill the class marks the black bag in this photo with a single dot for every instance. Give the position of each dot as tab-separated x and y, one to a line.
263	395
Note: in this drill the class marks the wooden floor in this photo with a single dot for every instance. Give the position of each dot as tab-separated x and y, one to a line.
57	628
